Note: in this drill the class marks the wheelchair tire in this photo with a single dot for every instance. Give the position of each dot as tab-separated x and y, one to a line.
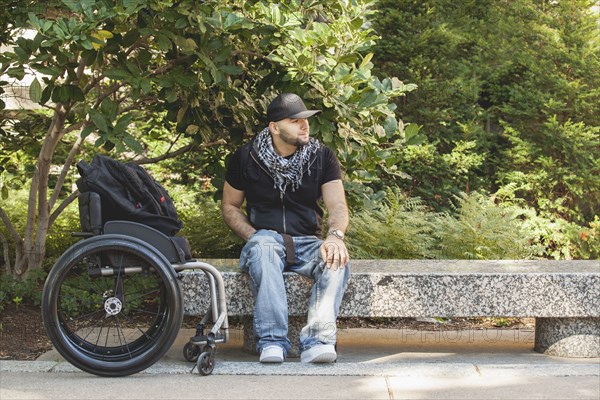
112	305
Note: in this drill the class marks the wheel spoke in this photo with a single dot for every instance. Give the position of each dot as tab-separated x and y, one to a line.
112	319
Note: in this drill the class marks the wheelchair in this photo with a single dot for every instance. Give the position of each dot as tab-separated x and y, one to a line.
112	304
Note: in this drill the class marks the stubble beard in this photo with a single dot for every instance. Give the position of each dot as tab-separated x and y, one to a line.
294	141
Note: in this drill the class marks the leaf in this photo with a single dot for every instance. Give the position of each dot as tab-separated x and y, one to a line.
104	34
123	123
46	93
87	130
187	80
74	6
411	130
181	113
130	5
146	85
132	143
34	21
60	94
22	54
181	23
231	69
109	108
163	42
366	60
131	37
16	72
390	125
35	91
98	120
48	70
118	74
75	93
348	59
367	99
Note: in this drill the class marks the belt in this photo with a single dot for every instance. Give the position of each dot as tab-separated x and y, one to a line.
290	251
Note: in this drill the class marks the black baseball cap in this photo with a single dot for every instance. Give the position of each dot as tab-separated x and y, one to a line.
288	105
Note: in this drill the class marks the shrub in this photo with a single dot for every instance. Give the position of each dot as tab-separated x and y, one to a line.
480	229
396	228
27	291
588	241
60	236
206	231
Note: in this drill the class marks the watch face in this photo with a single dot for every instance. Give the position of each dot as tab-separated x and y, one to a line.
339	234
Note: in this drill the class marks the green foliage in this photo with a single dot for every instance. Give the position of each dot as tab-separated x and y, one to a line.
207	69
517	80
152	79
60	235
204	228
435	176
588	241
395	228
560	171
18	291
480	229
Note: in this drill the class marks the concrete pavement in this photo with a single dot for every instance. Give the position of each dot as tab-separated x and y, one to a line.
372	364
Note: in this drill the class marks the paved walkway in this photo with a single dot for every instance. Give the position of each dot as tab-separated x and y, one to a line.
372	364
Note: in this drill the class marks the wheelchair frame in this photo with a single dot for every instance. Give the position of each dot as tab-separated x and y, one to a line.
111	258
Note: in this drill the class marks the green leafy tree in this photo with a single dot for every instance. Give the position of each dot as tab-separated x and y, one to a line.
518	81
154	79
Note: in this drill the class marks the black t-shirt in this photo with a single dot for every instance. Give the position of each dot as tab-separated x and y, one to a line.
297	212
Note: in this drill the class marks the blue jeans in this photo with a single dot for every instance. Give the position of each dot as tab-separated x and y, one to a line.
264	259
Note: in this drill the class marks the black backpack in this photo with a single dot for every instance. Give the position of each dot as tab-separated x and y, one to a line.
129	193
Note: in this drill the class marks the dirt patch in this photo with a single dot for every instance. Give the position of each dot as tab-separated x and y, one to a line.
438	324
22	334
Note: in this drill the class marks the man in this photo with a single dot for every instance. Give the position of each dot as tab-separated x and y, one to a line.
282	174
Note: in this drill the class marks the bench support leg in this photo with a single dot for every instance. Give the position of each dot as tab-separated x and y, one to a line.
295	325
568	337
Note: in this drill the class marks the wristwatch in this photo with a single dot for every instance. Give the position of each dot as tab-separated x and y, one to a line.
337	233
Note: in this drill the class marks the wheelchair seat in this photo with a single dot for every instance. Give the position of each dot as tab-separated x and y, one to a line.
175	248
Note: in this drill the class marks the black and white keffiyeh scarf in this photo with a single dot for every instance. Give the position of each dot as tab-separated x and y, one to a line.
285	171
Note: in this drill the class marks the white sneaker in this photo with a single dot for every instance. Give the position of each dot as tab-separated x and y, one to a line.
271	354
324	353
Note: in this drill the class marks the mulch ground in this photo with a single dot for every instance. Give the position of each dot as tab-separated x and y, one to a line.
22	334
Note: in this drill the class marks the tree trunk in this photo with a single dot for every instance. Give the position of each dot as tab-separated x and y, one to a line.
33	248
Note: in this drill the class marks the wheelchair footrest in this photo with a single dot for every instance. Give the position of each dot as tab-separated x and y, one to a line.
202	339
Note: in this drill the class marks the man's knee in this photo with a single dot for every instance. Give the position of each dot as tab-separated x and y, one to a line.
263	248
337	277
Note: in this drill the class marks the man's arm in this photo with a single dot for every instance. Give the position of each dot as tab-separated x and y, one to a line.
334	250
231	209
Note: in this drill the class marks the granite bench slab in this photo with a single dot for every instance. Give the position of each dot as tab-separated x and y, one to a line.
563	296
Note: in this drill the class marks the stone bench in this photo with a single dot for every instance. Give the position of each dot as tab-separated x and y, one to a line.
562	296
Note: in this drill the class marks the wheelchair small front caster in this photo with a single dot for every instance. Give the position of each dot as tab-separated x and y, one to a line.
191	352
206	363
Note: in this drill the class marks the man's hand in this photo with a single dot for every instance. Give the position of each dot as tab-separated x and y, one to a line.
334	252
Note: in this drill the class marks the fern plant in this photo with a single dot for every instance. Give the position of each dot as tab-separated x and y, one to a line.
480	229
398	227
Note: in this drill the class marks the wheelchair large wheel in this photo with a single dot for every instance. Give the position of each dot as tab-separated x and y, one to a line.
112	305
